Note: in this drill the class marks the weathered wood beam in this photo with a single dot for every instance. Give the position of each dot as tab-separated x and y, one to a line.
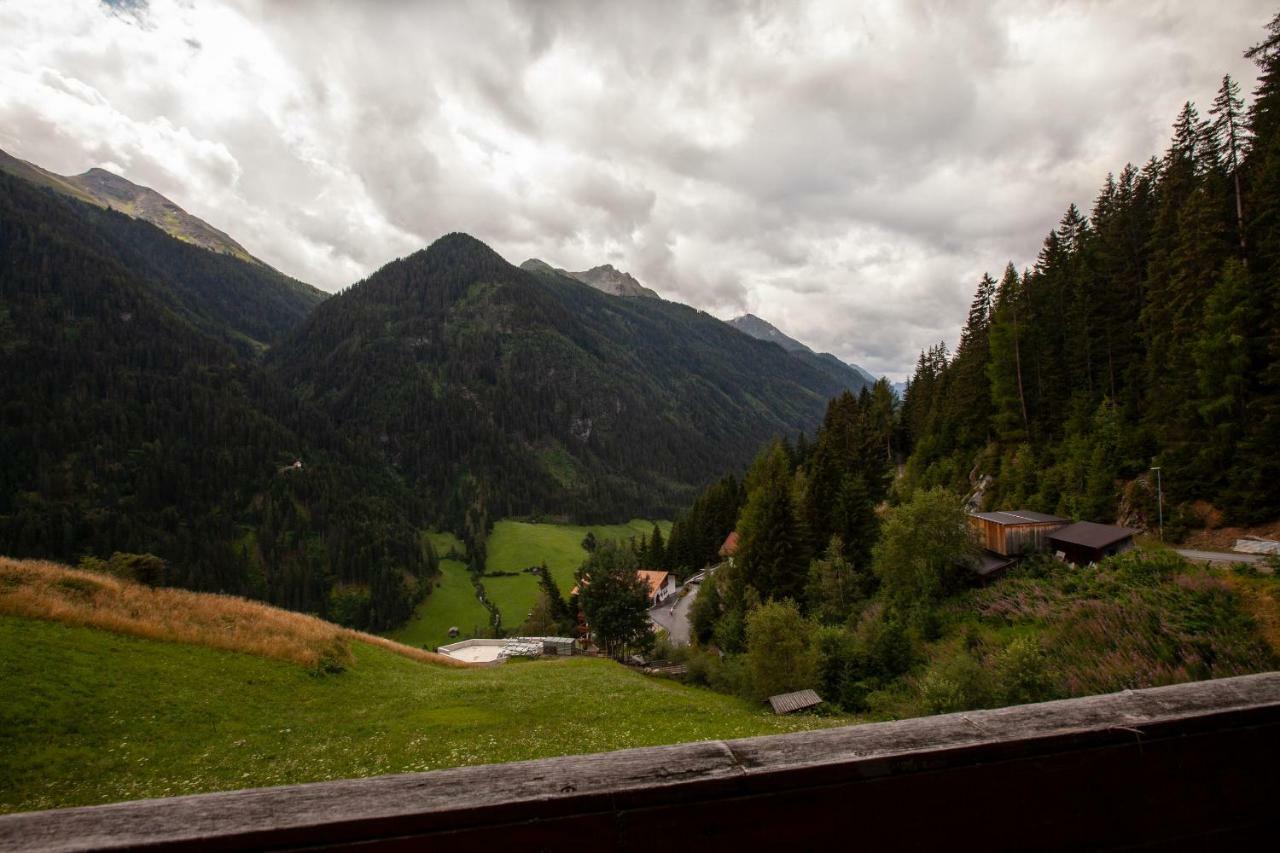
1186	765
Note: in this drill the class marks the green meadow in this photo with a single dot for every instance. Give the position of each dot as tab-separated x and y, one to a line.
513	546
451	604
517	545
89	717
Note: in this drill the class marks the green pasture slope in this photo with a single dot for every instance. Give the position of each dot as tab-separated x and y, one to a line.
451	604
90	717
512	547
517	545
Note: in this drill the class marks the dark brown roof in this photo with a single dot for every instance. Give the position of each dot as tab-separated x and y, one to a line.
1091	535
989	563
1020	516
785	703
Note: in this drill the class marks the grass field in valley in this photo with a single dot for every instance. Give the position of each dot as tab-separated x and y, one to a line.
88	716
517	545
451	604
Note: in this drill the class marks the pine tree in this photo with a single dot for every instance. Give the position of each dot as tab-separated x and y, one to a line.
1009	416
771	551
1230	134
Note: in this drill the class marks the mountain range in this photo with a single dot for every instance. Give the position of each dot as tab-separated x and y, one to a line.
191	402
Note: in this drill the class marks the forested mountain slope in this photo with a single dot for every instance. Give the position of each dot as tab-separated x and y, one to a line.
851	376
501	391
1146	334
227	294
127	427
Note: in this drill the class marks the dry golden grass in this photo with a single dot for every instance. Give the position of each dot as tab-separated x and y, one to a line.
37	589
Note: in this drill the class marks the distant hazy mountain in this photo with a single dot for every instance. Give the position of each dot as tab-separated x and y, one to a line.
104	189
850	375
605	278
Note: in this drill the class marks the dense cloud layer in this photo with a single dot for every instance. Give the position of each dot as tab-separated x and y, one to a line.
844	170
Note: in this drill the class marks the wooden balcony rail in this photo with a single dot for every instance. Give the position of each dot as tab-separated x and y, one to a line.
1191	766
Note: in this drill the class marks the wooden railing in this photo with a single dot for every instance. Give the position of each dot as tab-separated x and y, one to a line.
1193	766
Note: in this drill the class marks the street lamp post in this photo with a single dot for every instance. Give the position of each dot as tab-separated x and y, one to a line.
1159	500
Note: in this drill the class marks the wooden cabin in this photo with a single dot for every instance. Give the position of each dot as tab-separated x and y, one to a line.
1084	542
1011	533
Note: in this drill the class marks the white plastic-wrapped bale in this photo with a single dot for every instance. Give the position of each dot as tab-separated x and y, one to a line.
522	648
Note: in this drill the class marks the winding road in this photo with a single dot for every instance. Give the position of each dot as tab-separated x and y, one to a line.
674	618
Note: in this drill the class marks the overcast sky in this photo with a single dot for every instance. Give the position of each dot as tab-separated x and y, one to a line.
845	170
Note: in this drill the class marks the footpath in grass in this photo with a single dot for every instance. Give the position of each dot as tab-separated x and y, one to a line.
451	604
517	545
88	716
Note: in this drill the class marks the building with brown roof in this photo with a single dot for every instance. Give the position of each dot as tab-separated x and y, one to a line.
1086	542
662	585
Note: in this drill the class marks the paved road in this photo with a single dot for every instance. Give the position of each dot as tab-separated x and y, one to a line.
1218	556
675	619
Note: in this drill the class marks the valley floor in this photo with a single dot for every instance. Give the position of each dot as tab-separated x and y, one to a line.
88	716
512	547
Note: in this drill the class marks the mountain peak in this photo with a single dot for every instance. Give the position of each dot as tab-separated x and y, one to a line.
537	265
107	189
604	277
852	375
460	241
764	330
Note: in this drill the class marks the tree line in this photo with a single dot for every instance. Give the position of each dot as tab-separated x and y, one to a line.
1145	335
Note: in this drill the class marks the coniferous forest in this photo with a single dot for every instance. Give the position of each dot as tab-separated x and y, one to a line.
1146	334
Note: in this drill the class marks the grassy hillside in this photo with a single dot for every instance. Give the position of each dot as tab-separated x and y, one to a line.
42	590
91	716
452	603
112	690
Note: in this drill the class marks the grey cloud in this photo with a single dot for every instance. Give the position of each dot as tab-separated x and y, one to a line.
845	170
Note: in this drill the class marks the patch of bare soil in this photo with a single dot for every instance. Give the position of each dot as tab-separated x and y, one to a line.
1222	538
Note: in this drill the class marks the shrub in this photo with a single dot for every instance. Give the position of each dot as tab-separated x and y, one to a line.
957	683
779	654
837	658
884	647
1023	673
924	542
142	568
349	605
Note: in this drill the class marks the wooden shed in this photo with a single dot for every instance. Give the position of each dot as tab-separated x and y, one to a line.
786	703
1085	542
1011	533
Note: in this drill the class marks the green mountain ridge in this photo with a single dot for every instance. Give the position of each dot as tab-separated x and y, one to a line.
550	396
